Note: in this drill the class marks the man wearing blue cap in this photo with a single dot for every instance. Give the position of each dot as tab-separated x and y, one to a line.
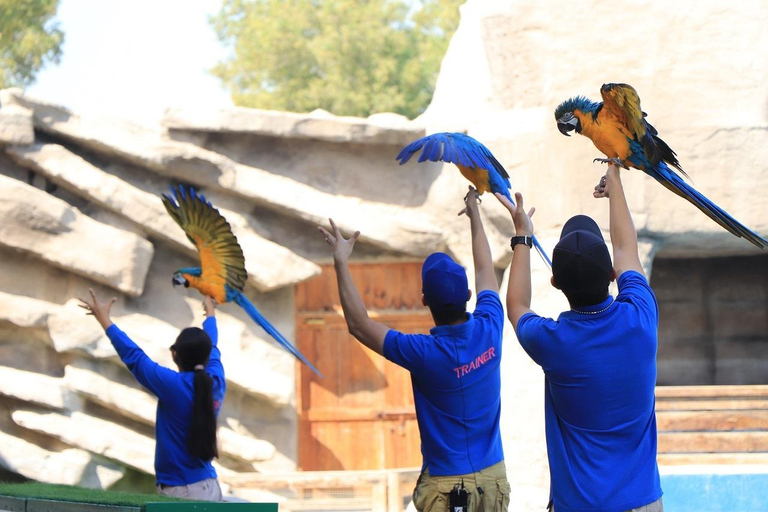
599	360
454	371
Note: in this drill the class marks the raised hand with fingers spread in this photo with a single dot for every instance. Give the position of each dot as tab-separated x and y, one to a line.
342	247
99	310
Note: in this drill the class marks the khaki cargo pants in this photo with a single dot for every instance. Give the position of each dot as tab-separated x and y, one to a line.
431	493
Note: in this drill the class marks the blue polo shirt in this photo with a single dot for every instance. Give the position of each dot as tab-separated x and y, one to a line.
600	368
174	464
456	381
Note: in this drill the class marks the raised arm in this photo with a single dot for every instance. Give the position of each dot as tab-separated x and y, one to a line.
147	372
485	276
214	367
623	233
369	333
519	288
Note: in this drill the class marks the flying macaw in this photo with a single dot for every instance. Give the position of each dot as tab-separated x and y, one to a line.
222	273
475	162
618	128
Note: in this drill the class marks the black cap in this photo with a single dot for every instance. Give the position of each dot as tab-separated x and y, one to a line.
581	264
444	283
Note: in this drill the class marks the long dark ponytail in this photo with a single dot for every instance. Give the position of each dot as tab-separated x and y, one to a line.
193	347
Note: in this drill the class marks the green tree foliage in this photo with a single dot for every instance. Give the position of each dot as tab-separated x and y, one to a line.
27	40
350	57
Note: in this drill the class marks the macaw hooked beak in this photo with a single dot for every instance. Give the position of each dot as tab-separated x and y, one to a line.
179	279
567	123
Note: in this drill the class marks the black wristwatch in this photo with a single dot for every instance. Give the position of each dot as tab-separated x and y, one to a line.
527	240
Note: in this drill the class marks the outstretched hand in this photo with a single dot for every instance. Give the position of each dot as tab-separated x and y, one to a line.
602	189
99	310
209	306
522	221
342	247
471	200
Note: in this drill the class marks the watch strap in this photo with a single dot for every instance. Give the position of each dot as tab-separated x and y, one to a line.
527	240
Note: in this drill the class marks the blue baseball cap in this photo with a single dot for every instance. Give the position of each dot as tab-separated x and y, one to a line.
581	263
444	283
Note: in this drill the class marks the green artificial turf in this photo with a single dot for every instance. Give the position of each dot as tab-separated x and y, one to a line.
34	490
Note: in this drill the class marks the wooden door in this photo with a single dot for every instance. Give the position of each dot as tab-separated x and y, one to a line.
361	415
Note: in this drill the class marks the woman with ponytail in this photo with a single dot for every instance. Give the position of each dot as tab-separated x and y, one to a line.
188	402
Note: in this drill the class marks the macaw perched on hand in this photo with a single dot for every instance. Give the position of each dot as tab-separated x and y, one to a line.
222	273
475	162
618	128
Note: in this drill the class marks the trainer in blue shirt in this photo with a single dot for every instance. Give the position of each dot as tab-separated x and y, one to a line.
188	402
454	370
599	361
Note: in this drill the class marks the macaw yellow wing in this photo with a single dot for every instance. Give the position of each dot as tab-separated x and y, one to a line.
622	102
221	258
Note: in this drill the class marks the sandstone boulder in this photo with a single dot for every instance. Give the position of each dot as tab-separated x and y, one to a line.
16	125
25	311
49	229
33	387
94	435
386	129
69	467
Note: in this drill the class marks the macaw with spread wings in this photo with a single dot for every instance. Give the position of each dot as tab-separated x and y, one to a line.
618	128
222	273
474	161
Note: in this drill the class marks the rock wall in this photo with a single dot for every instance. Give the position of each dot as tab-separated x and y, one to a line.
81	208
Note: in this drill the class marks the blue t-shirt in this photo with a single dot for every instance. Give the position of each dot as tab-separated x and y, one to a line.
174	465
456	382
600	416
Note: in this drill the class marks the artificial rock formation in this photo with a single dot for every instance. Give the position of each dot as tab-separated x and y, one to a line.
82	209
51	230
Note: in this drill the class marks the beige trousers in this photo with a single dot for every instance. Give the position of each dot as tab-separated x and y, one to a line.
431	493
204	490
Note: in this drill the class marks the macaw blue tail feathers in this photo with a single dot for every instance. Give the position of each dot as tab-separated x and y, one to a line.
257	317
675	183
540	250
537	245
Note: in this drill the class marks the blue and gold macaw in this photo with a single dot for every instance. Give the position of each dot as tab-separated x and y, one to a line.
475	162
618	128
222	273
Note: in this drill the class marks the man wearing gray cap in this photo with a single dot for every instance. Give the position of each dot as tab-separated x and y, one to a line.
455	373
599	360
